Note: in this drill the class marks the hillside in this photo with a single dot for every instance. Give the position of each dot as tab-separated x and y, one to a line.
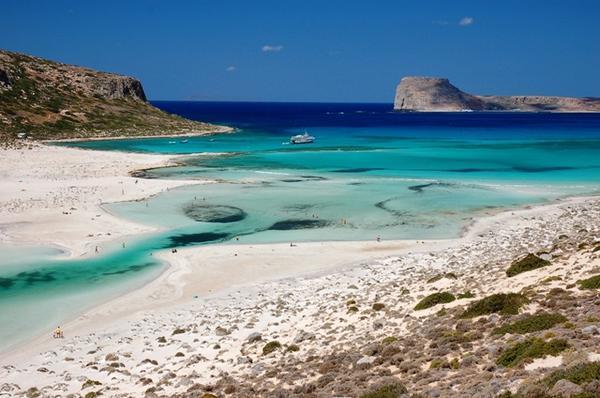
48	100
432	94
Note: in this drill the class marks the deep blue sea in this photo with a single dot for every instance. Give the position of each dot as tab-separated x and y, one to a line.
371	172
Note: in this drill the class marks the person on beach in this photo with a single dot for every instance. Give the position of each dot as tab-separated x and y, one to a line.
58	333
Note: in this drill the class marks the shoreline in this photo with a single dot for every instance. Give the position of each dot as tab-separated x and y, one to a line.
218	130
293	301
169	289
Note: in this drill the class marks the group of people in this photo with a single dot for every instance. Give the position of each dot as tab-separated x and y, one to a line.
58	333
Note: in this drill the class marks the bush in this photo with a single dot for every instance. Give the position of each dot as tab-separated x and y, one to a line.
531	323
529	349
389	340
590	283
439	363
467	294
270	347
394	390
435	299
578	374
528	263
501	303
378	306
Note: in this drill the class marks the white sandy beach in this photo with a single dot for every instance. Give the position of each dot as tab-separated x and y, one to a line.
210	313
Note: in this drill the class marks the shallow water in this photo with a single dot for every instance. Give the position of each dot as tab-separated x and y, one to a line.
371	173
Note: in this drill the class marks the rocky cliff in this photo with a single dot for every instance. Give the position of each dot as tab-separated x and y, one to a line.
432	94
50	100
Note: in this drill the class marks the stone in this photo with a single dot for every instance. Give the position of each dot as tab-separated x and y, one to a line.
254	337
565	388
592	329
365	362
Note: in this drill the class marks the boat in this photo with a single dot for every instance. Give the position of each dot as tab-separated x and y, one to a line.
184	141
302	139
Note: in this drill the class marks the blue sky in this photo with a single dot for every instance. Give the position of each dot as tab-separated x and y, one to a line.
317	50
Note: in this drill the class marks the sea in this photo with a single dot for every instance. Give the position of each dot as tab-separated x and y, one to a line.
371	173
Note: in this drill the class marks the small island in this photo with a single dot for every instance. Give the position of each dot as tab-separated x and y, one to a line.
434	94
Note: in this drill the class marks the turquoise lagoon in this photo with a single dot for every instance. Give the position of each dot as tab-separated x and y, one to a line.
371	173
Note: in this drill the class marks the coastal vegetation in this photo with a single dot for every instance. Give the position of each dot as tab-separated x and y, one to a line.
531	323
434	299
528	263
530	349
499	303
590	283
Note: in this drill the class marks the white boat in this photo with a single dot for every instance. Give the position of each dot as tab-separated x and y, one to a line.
302	139
184	141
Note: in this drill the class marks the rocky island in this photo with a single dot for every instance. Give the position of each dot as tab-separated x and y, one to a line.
42	99
433	94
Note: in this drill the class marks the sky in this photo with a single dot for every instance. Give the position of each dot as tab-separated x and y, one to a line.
322	51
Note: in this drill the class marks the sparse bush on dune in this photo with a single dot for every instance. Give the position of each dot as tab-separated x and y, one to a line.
500	303
270	347
528	263
531	323
578	374
590	283
530	349
394	390
434	299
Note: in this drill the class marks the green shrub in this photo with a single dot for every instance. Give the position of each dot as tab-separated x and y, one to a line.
352	308
531	323
466	294
439	363
455	363
293	348
378	306
590	283
394	390
529	349
578	374
389	340
528	263
435	299
500	303
270	347
90	383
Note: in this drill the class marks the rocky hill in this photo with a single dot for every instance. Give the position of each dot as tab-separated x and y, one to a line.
48	100
432	94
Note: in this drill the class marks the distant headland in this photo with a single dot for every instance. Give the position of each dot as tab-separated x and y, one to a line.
433	94
43	100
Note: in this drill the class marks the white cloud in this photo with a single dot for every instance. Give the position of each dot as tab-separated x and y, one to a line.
230	68
466	21
270	49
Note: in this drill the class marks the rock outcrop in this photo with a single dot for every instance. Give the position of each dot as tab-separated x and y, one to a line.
48	100
432	94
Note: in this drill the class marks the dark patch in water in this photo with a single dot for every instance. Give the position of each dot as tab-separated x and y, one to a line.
191	239
419	188
358	170
132	268
383	206
6	283
315	178
287	225
214	213
291	180
34	277
356	183
533	169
